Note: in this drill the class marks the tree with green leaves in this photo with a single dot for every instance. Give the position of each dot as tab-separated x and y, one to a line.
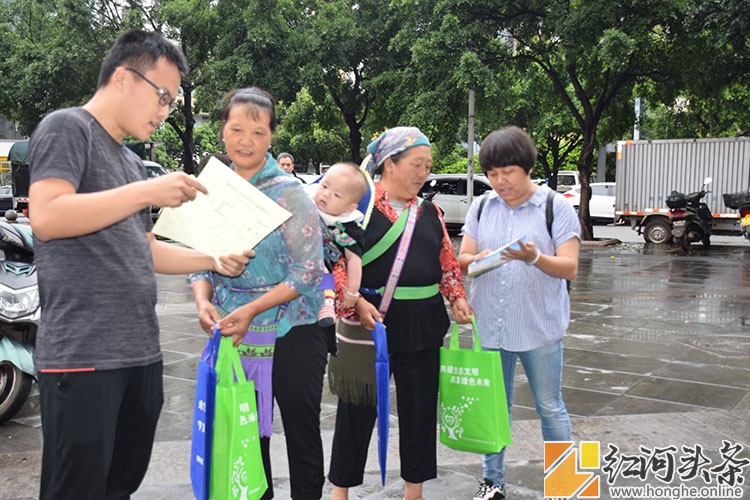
347	45
432	90
51	56
709	93
314	134
196	26
258	45
565	71
452	58
591	54
54	51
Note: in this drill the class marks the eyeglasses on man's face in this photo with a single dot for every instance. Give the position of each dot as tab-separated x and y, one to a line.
165	99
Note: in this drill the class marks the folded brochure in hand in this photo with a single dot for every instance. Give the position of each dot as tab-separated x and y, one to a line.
233	217
494	259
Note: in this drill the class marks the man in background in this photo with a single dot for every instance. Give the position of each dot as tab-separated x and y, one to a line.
286	162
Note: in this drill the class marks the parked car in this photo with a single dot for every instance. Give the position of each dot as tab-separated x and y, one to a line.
449	193
308	178
567	179
153	169
602	204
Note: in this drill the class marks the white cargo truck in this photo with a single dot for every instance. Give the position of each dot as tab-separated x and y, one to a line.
648	171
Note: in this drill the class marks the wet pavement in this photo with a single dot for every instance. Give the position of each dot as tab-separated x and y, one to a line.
657	355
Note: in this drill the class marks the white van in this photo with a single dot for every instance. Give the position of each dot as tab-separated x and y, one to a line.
448	191
566	179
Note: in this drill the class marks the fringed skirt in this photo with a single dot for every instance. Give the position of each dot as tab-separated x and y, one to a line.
351	374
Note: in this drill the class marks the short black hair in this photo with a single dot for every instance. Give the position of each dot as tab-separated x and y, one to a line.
507	146
252	97
140	50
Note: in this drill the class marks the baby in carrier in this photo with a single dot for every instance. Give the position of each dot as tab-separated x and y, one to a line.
336	197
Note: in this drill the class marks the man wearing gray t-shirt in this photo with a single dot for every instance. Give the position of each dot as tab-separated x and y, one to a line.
97	350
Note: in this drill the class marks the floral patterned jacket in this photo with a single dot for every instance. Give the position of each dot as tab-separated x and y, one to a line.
291	254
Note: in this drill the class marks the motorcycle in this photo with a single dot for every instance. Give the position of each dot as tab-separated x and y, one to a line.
19	314
691	217
740	202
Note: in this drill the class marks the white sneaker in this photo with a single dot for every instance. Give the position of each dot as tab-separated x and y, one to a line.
488	491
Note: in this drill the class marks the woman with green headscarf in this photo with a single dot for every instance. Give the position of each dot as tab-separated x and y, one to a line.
416	319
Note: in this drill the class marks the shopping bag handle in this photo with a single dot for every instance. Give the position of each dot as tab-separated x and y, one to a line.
228	362
211	353
454	336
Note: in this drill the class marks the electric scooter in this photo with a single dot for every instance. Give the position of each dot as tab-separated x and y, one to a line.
19	314
691	217
740	202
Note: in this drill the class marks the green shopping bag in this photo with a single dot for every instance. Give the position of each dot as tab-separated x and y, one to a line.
236	463
473	408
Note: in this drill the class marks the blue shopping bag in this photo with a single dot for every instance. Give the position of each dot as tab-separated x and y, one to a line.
203	417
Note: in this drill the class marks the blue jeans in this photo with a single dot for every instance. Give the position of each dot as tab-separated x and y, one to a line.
543	367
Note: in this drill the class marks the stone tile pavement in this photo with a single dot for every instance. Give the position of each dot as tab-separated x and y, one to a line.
657	355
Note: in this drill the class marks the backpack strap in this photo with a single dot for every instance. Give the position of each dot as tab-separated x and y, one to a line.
481	206
550	216
549	212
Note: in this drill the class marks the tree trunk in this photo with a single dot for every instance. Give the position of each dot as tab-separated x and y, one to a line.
355	136
585	166
355	144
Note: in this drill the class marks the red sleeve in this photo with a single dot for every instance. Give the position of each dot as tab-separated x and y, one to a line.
451	285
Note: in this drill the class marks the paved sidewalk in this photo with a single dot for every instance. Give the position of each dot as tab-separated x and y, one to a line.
459	472
657	355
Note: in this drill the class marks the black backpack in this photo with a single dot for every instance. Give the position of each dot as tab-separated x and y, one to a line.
549	215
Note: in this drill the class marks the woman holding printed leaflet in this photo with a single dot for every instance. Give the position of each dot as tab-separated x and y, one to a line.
523	308
416	320
271	310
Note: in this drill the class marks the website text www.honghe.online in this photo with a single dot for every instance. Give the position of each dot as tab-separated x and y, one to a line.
676	492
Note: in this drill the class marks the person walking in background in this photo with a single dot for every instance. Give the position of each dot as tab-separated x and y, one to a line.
271	310
97	349
416	321
336	197
286	163
523	308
